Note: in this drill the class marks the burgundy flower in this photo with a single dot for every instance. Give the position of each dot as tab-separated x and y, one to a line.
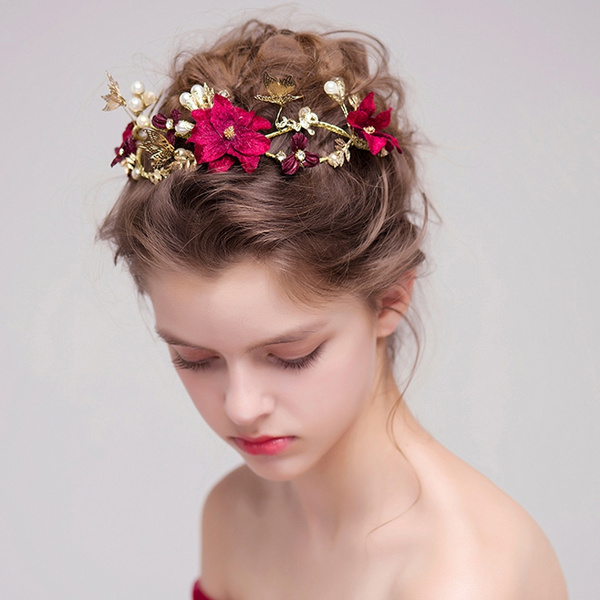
161	121
370	126
128	146
225	132
299	158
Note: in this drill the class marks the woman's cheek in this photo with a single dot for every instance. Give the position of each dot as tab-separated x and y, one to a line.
202	392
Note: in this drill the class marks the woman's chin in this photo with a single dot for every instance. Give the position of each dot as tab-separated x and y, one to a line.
274	468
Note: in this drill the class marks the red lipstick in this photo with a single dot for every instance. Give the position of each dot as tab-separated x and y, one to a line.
265	445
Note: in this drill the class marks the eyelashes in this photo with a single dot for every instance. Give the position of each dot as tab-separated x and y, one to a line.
299	363
181	363
296	363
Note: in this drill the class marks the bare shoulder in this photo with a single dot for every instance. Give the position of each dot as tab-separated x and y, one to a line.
497	566
481	544
225	512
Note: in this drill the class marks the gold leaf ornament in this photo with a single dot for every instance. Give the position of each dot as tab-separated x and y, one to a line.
280	90
157	148
354	101
343	147
113	99
183	159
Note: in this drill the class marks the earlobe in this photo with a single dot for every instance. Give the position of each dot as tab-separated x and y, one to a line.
393	304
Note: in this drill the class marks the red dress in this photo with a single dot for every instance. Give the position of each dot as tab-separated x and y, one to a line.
198	594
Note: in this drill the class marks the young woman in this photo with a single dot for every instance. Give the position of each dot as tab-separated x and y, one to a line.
273	216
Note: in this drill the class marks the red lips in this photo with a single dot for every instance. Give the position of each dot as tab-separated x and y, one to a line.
258	440
264	444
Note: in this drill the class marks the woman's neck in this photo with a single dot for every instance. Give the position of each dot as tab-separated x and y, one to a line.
365	480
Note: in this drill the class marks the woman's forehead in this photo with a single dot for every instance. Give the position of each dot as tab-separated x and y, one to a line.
245	279
244	300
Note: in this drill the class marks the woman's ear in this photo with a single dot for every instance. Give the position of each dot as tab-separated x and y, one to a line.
393	304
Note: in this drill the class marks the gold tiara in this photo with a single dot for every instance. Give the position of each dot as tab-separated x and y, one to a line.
222	134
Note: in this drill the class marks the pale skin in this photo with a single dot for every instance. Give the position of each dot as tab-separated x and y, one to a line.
344	513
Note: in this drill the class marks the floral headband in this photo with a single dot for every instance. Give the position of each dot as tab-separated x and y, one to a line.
223	134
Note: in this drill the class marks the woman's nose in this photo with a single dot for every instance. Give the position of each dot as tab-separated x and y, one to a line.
246	398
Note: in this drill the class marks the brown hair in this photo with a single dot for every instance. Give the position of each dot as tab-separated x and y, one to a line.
354	229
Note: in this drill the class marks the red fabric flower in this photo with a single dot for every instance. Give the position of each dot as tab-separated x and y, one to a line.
128	146
225	132
160	121
299	158
370	125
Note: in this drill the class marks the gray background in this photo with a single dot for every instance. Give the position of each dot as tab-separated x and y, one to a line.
104	462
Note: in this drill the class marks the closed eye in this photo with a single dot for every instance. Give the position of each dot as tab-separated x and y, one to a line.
298	363
197	365
301	362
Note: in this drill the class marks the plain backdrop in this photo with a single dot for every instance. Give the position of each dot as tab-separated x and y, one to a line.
104	462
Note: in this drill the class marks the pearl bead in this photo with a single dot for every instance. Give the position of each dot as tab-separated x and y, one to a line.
137	88
186	101
184	127
142	121
331	87
336	159
135	174
148	98
136	105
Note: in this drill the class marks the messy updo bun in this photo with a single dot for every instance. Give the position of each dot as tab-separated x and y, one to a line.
325	231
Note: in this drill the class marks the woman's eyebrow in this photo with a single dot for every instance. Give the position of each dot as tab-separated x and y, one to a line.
293	335
174	341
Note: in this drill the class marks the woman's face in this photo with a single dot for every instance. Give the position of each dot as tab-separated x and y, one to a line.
284	384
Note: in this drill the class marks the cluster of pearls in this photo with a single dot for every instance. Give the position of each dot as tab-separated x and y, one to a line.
140	101
200	97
